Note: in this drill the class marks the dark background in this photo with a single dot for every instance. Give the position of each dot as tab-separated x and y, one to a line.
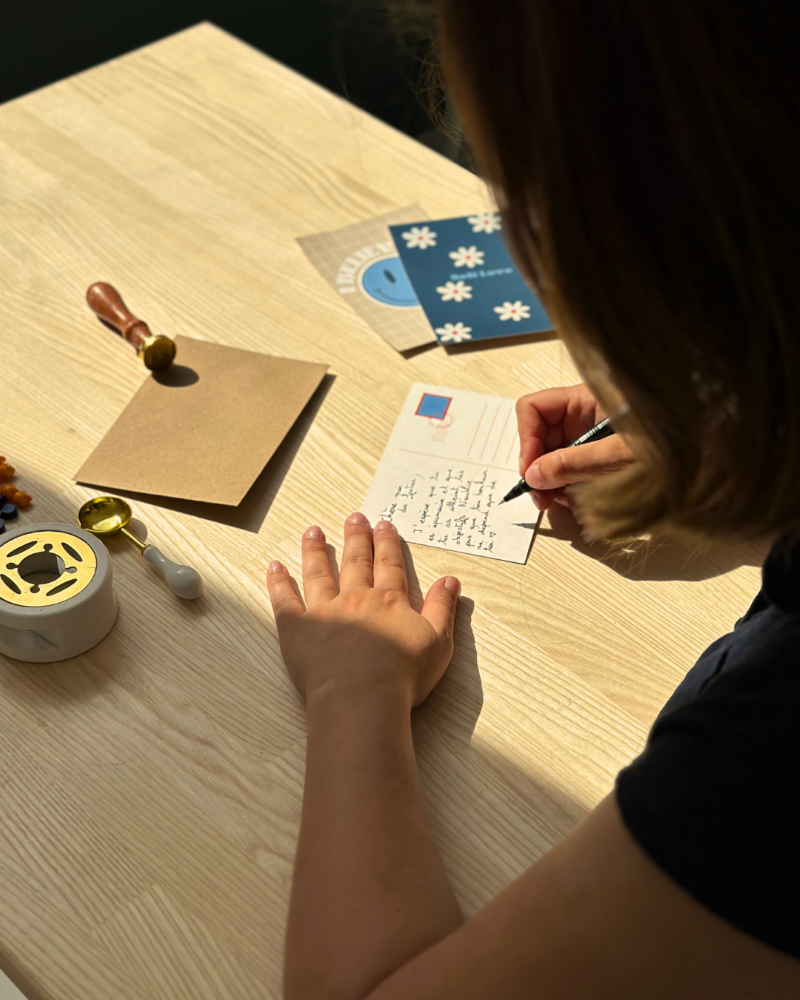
371	51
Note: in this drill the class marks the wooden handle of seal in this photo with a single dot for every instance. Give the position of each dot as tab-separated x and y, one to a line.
106	302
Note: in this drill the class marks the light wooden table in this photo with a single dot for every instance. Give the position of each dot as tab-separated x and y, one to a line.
150	790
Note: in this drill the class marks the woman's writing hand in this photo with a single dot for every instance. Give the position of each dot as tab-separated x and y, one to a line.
548	421
361	631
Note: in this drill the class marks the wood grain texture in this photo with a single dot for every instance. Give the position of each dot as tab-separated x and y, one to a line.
150	790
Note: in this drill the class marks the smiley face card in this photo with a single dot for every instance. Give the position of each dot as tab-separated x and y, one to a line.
360	262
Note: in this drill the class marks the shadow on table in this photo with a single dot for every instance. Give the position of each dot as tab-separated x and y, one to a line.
458	698
657	559
249	515
24	982
412	352
127	690
177	376
485	345
482	780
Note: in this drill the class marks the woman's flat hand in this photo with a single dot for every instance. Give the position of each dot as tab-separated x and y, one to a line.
362	631
548	421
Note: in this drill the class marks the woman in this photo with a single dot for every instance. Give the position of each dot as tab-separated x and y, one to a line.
645	156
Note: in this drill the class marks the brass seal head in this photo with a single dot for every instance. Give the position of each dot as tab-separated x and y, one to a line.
157	352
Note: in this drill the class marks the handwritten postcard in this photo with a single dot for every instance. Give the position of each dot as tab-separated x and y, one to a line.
465	280
451	458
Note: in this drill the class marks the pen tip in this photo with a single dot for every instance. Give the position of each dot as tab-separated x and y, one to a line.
502	501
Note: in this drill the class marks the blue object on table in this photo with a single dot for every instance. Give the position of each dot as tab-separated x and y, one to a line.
465	279
8	512
2	526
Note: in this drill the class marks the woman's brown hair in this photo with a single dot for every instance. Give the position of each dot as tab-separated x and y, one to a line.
646	159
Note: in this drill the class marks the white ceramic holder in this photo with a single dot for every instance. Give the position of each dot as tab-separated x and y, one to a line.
56	597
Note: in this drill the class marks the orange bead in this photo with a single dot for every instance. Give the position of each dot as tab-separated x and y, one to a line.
21	499
8	490
6	471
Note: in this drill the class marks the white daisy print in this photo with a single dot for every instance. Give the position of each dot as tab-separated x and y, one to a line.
513	310
454	333
467	257
485	222
454	291
419	236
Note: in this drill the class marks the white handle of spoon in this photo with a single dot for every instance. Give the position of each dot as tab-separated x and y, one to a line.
183	581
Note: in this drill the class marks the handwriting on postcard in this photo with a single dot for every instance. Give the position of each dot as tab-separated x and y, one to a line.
452	507
447	465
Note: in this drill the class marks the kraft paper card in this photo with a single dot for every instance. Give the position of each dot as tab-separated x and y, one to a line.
465	279
8	991
205	428
450	460
361	264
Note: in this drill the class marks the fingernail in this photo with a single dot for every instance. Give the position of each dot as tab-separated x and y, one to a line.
452	584
534	478
357	518
314	532
382	525
562	498
275	567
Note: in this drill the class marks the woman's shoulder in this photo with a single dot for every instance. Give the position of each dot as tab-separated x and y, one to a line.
712	799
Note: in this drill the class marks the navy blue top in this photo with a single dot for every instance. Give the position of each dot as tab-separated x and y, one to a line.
713	800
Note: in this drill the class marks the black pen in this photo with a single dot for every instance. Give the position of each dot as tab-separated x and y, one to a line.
597	433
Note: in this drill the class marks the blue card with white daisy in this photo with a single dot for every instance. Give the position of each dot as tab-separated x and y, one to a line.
465	280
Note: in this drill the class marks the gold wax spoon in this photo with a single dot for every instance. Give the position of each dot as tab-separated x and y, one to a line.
110	516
